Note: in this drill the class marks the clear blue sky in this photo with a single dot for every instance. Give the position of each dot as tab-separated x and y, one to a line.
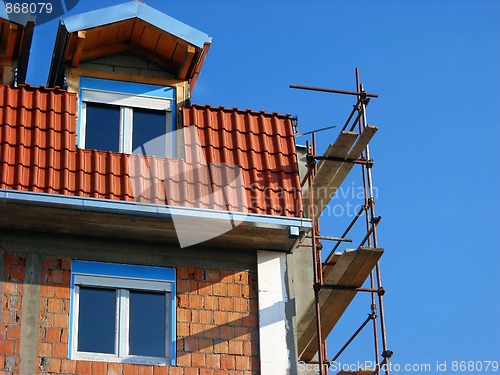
435	66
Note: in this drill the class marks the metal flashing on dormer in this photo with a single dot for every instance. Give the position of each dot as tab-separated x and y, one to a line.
168	46
136	9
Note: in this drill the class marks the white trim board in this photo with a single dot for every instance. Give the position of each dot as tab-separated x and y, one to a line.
274	353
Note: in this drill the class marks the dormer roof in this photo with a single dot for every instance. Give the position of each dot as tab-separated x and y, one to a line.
134	28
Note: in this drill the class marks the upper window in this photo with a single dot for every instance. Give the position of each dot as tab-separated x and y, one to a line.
122	313
123	117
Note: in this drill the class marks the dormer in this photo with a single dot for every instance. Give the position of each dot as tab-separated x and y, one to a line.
133	69
16	34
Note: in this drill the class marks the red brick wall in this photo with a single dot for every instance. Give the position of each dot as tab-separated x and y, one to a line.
217	323
10	320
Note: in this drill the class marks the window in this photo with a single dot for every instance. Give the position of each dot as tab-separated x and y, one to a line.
123	117
122	313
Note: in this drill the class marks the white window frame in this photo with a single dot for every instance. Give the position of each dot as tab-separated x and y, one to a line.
126	103
123	285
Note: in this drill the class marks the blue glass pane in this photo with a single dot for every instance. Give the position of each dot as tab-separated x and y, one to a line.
96	320
149	125
147	323
103	127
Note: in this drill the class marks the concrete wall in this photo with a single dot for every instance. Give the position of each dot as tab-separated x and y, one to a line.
217	309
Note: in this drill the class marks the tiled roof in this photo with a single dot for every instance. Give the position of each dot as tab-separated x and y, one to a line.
38	153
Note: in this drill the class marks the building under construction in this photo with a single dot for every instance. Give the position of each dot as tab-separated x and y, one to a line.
143	234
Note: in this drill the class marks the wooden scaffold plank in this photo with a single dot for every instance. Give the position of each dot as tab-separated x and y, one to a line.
350	270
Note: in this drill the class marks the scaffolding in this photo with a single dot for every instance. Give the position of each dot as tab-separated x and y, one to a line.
341	276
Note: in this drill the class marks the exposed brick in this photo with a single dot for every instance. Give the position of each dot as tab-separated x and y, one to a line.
196	330
115	369
44	349
234	290
68	366
14	332
14	273
241	277
184	315
59	351
210	303
198	359
50	263
243	333
129	369
7	347
11	287
187	286
235	347
99	368
60	320
242	363
247	348
203	316
183	300
61	291
55	276
191	344
195	273
64	336
191	371
14	259
225	303
227	362
55	305
204	287
83	368
11	316
176	371
182	273
226	276
211	331
145	370
220	317
195	301
235	319
206	345
221	347
250	321
55	365
66	277
65	263
240	304
220	289
226	332
212	275
184	359
160	370
182	329
212	360
53	334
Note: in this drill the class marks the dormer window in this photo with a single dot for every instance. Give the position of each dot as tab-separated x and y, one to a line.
122	117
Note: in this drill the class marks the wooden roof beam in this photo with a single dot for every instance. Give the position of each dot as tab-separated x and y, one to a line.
186	62
11	38
111	49
80	43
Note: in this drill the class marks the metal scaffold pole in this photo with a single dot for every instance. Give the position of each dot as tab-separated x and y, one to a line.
320	269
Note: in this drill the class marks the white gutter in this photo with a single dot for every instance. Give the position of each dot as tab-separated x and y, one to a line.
151	210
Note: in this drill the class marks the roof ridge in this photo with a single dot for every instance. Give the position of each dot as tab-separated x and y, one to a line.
236	109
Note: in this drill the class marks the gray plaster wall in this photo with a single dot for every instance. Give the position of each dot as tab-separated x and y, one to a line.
127	63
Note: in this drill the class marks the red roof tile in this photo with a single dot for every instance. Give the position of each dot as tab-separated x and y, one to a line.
38	153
